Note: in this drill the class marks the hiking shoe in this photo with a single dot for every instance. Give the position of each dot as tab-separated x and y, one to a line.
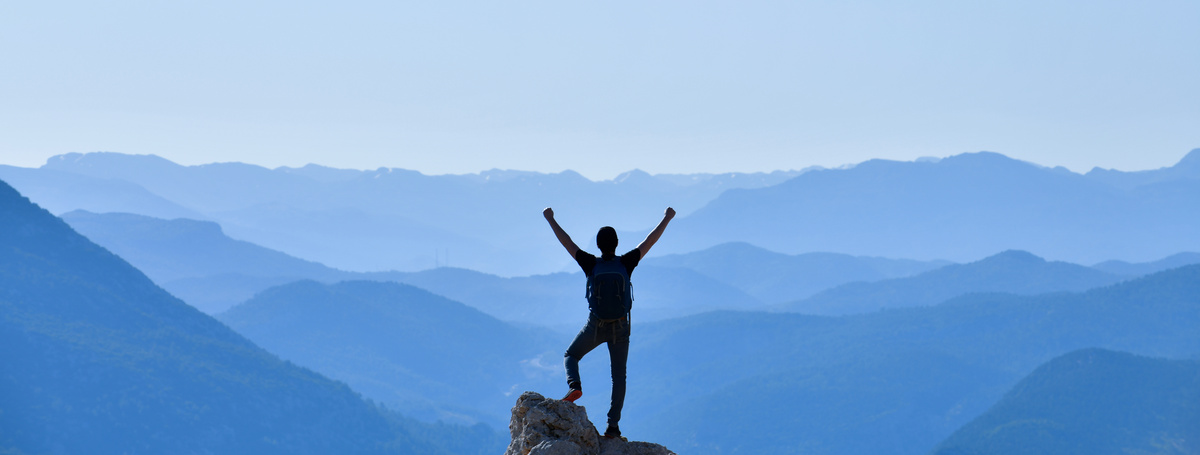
573	395
612	431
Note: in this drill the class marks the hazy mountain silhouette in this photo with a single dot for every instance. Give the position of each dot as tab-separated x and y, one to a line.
896	381
1091	401
205	188
61	192
97	359
197	262
1146	268
213	294
557	300
777	278
898	402
362	239
1016	272
958	208
396	219
168	250
323	174
414	351
1187	168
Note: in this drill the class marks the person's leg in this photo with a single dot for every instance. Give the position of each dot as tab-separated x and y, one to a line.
585	341
618	355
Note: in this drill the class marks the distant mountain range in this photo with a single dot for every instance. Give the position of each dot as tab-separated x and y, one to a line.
197	262
1091	401
102	358
61	192
1187	168
414	351
897	381
97	359
1146	268
959	208
777	278
169	250
384	219
557	300
1015	272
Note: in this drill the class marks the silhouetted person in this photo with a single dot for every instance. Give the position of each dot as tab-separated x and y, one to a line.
610	298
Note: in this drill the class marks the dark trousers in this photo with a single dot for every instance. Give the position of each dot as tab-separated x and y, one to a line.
616	334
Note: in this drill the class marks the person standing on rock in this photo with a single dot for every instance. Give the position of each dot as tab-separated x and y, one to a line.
610	298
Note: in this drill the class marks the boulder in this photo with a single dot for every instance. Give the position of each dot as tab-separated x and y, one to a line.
543	426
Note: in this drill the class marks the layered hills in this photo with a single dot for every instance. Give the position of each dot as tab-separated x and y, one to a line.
1146	268
197	262
420	353
897	381
97	359
777	278
103	357
1015	272
1091	401
383	219
1186	168
61	192
959	208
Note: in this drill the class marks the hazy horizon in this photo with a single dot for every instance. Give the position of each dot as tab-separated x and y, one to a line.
593	178
460	87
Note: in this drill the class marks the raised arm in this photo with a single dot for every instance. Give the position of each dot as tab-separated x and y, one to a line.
563	238
652	238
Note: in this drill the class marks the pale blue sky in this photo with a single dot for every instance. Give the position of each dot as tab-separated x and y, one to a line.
601	87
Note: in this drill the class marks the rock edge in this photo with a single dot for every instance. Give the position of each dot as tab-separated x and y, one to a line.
543	426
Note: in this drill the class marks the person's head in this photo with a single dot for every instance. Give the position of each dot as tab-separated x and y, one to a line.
606	240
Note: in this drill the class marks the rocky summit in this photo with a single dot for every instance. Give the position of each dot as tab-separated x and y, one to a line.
542	426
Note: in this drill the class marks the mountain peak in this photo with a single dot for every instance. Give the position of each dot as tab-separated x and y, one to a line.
1187	167
983	158
1014	256
1190	161
102	160
985	162
636	175
542	426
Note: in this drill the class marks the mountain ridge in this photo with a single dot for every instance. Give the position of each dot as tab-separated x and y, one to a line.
1187	167
399	345
1012	271
213	272
796	363
285	209
1091	401
958	208
98	359
776	278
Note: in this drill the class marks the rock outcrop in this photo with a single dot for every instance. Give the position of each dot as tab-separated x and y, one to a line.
542	426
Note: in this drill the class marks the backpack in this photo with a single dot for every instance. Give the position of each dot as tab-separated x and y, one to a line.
609	292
